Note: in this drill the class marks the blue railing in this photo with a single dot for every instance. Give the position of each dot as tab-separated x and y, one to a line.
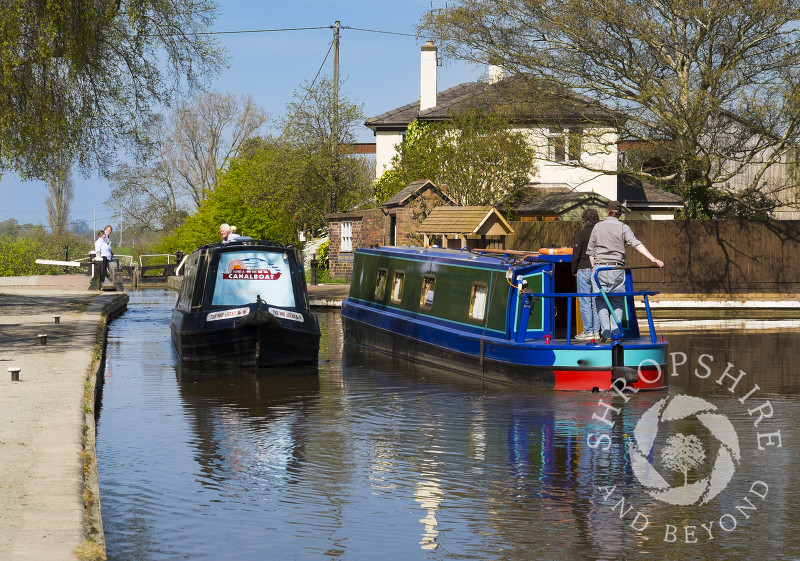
526	299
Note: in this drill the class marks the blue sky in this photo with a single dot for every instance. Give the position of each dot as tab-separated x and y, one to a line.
380	71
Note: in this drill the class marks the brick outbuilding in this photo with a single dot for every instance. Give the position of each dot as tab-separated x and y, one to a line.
393	223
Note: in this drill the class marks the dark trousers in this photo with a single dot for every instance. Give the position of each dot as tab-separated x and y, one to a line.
103	270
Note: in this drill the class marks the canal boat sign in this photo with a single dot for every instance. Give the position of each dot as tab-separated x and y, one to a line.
245	303
503	316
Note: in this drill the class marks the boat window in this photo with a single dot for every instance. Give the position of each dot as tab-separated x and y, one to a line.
397	286
243	275
426	297
380	284
477	303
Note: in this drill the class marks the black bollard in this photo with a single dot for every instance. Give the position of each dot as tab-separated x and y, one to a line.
314	264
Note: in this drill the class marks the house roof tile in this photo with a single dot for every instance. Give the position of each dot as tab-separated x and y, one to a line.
414	188
460	220
560	202
519	99
636	193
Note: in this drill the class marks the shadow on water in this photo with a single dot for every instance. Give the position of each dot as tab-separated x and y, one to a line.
370	456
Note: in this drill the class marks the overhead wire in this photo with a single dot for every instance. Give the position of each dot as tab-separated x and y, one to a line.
275	30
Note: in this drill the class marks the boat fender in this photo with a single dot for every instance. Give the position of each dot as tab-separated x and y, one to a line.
630	375
618	368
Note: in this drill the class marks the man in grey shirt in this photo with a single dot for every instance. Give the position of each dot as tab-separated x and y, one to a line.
607	249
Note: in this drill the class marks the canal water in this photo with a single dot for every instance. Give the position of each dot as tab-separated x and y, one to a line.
370	457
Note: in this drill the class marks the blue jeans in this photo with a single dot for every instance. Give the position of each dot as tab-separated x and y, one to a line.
591	322
611	281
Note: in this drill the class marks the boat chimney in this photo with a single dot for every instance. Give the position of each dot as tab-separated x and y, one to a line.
427	81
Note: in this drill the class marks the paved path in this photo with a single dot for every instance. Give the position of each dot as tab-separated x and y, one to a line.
42	513
327	295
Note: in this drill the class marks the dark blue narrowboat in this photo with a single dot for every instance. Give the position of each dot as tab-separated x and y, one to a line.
508	317
245	304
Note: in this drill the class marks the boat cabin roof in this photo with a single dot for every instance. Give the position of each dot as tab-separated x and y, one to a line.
474	258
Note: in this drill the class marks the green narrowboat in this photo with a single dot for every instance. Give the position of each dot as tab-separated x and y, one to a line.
508	317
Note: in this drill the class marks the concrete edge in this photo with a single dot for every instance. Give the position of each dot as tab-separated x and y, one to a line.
93	522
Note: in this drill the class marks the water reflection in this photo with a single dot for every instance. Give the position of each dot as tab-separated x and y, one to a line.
248	425
370	456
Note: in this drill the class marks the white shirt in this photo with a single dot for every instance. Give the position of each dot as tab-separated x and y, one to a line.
102	248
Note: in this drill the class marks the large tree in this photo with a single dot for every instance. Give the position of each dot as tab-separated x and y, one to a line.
480	158
187	151
81	77
709	90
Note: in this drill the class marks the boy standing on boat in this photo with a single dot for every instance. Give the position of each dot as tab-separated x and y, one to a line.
607	249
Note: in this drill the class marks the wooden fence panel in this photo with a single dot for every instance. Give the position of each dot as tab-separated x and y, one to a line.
700	256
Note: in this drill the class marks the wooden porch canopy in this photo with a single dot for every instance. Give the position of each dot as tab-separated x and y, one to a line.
464	223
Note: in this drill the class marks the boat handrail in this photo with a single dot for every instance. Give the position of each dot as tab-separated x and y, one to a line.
246	241
527	297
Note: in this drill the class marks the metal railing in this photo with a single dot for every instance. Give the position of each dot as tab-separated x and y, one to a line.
526	299
167	255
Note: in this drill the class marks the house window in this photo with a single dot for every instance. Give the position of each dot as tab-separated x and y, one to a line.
397	286
564	145
347	236
380	285
477	302
426	297
574	144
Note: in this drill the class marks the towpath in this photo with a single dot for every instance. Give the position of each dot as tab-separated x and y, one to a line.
42	416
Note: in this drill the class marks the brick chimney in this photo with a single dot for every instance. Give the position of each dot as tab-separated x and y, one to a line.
427	81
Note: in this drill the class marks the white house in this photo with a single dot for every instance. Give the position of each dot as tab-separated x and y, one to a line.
574	137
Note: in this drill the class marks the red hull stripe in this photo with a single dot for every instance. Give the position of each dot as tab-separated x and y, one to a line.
587	380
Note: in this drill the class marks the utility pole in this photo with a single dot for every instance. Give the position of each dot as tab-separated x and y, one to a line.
335	123
336	27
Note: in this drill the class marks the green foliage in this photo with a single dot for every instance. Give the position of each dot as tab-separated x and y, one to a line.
254	194
323	255
477	155
328	177
18	254
80	77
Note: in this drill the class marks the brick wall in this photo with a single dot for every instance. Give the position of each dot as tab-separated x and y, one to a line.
371	228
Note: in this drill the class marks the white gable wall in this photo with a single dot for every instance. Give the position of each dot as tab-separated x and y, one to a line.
385	142
599	151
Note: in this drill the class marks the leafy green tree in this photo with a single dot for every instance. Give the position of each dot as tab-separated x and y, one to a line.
710	90
320	130
19	252
81	77
254	194
477	155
